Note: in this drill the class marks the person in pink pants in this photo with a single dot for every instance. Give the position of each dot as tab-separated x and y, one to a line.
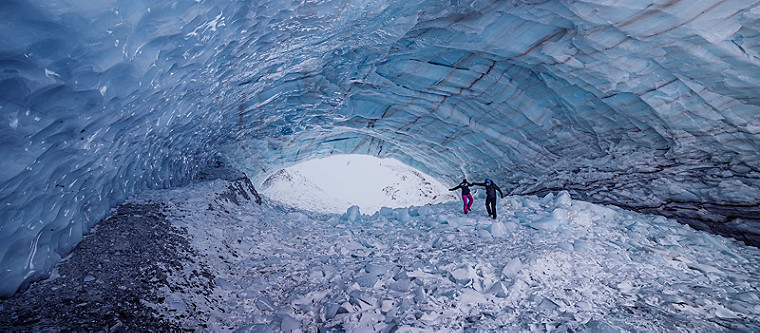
466	196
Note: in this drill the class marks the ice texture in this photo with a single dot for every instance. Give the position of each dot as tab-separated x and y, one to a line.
280	268
649	105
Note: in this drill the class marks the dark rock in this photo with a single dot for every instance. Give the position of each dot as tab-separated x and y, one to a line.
68	303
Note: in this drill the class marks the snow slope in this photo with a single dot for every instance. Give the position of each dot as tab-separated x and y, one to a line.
332	184
547	264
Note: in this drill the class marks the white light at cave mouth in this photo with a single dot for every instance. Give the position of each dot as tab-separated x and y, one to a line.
335	183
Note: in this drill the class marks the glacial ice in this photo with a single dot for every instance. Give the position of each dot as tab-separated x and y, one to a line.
624	271
647	105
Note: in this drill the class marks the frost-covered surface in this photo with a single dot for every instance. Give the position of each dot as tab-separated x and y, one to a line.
335	183
647	104
546	264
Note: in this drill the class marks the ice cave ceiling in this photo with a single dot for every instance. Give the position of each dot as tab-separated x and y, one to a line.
649	105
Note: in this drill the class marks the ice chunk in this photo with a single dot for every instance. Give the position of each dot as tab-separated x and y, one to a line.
406	304
603	212
430	317
584	306
581	218
597	326
548	199
563	200
387	212
448	219
565	245
375	268
498	289
498	229
316	274
512	268
362	301
485	235
311	297
419	295
558	217
514	202
721	312
471	296
707	269
352	214
462	275
387	305
402	285
264	304
580	245
345	307
625	287
289	324
425	211
330	310
548	305
404	216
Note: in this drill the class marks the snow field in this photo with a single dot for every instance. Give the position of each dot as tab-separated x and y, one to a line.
335	183
546	264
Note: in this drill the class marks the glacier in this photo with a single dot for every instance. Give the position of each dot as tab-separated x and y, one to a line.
648	105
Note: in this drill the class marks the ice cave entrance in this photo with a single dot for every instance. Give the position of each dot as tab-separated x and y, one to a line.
335	183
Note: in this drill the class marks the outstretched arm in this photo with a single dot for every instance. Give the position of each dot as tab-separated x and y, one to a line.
478	184
455	188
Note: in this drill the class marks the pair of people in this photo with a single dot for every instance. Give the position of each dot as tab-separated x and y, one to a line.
491	189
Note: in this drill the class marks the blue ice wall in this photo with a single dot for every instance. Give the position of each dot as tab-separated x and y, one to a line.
648	105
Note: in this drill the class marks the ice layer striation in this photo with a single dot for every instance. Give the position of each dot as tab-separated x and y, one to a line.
649	105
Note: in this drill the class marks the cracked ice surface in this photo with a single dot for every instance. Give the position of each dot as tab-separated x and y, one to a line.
584	268
648	105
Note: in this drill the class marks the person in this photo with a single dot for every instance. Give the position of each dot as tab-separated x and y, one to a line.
466	196
491	189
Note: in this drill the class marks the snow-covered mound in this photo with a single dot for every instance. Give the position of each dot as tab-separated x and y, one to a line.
546	264
332	184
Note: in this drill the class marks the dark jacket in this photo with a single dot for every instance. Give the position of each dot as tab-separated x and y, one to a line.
464	186
490	189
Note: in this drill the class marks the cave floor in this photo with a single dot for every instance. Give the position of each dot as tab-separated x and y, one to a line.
207	257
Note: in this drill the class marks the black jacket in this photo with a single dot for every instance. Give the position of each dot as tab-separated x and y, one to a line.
490	189
464	186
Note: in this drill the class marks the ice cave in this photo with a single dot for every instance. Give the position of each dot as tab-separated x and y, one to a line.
134	135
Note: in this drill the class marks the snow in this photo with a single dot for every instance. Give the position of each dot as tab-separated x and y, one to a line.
335	183
428	268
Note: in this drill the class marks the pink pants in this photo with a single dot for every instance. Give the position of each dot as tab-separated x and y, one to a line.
467	198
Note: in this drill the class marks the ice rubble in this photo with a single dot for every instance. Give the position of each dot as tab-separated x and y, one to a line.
646	104
431	268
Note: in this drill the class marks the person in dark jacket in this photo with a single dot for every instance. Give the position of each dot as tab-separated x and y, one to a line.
466	196
491	189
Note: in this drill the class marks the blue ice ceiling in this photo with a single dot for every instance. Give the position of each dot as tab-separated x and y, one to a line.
649	105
